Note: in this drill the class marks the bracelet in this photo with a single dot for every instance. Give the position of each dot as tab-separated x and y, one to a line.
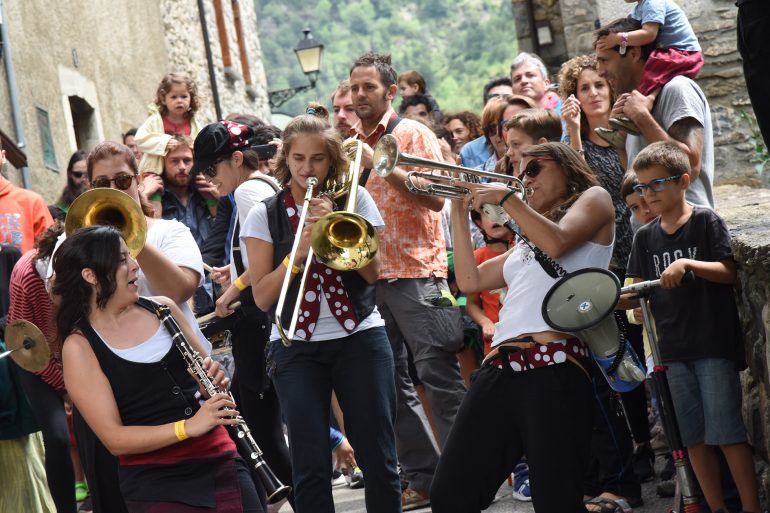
239	284
181	434
294	268
156	197
212	202
623	42
505	198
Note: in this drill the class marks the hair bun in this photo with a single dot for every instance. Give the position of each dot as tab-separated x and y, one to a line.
318	110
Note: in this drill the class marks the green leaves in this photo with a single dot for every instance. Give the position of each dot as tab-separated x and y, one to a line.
457	46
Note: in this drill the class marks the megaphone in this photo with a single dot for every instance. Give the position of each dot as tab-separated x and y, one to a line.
583	302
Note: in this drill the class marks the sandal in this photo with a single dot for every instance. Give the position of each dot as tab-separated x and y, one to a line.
608	505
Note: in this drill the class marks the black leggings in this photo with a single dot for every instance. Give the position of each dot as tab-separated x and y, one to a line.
48	407
544	414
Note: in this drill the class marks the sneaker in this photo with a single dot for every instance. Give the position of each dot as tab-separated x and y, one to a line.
355	479
615	138
412	499
338	479
81	491
625	124
521	483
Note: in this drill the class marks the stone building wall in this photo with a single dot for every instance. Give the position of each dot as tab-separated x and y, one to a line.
60	51
747	213
108	56
186	51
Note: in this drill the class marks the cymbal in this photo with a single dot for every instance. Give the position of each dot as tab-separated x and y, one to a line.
29	346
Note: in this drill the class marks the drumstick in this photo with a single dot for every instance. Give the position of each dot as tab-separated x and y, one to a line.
207	267
208	317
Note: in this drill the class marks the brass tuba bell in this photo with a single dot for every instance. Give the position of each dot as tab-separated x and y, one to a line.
113	208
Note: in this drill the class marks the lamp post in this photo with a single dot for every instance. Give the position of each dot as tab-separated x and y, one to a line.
308	52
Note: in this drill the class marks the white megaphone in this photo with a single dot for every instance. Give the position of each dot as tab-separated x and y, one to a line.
583	303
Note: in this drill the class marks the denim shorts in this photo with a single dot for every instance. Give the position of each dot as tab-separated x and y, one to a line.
707	399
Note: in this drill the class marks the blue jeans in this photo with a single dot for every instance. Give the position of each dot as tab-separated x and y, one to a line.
359	368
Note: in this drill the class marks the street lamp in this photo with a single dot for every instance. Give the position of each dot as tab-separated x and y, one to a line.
308	52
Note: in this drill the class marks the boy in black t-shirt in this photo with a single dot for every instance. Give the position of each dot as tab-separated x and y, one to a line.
697	323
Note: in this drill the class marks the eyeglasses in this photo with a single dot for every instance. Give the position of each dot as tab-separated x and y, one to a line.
122	182
533	167
501	126
77	174
656	185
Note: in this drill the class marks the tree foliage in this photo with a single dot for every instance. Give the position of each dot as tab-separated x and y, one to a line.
457	46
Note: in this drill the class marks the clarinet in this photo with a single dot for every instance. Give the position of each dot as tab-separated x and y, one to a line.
275	490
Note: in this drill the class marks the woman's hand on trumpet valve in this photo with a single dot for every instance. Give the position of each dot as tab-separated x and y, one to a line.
482	193
218	410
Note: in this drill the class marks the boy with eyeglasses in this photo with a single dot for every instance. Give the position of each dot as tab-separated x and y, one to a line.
700	335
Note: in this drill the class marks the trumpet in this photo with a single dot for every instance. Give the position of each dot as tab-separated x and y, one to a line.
341	240
109	207
387	156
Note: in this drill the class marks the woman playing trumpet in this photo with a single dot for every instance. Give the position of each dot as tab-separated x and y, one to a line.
340	341
132	386
571	220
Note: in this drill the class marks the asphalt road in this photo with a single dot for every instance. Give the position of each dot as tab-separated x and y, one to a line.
352	501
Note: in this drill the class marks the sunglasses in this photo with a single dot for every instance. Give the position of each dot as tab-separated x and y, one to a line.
656	185
533	167
122	182
211	171
77	174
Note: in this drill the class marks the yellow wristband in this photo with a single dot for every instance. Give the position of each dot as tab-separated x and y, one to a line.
294	268
181	434
239	284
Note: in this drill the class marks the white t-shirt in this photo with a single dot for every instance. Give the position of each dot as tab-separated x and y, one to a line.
327	326
175	242
248	194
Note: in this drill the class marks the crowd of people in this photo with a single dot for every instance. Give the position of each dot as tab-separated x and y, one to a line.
426	372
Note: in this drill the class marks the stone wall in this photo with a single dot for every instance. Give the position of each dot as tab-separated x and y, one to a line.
186	51
60	49
747	213
110	55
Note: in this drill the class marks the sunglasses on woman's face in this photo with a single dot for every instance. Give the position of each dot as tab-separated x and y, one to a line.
122	182
533	167
77	174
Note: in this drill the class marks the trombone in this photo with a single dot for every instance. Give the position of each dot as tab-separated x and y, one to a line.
387	156
342	240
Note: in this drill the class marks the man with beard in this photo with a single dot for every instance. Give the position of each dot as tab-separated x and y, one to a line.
680	115
412	291
192	203
344	114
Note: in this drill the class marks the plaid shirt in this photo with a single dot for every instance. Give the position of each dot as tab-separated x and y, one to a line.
412	241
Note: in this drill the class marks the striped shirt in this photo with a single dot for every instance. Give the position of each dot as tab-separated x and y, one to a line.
31	302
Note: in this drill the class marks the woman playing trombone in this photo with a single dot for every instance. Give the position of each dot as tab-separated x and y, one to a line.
571	219
340	341
132	386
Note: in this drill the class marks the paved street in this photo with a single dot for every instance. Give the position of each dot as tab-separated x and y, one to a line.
352	501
